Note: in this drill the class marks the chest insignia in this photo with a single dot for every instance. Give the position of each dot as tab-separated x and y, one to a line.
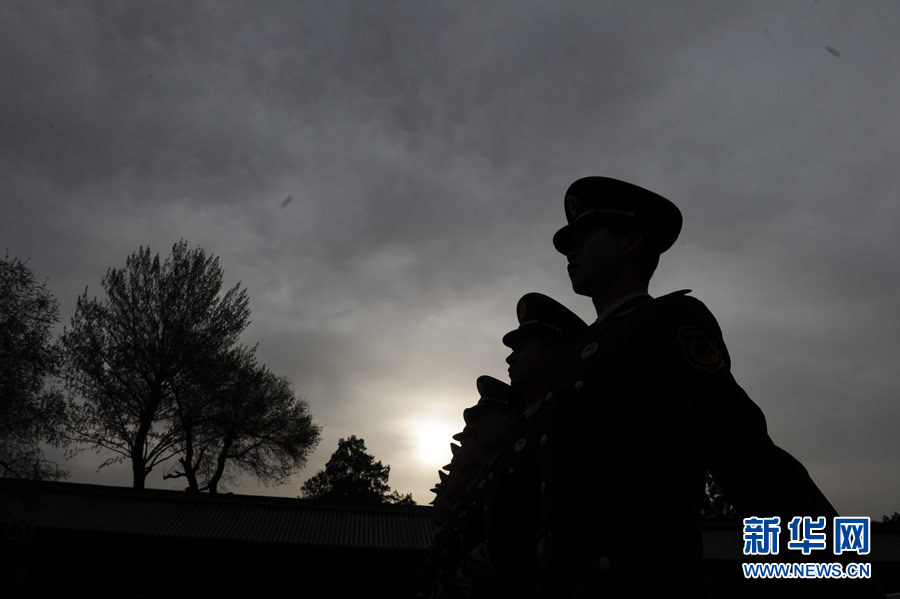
520	445
589	350
699	350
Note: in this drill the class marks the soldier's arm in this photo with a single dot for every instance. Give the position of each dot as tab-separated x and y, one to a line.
724	427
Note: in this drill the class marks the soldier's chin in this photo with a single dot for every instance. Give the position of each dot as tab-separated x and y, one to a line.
579	286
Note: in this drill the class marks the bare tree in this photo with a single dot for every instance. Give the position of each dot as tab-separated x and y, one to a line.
238	417
30	410
124	353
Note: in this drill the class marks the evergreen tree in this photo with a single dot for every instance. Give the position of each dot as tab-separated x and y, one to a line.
715	506
353	477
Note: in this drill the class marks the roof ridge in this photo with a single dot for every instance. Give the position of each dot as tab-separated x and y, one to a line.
172	495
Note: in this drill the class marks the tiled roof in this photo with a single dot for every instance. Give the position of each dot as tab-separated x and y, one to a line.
176	514
158	513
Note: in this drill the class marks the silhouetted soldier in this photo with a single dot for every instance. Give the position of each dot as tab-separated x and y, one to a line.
646	405
487	426
504	564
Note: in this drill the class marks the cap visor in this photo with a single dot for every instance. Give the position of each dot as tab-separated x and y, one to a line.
562	239
511	338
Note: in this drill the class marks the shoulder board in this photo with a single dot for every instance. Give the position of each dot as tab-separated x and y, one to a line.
672	295
654	300
683	303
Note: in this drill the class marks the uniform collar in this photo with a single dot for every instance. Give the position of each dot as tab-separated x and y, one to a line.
619	303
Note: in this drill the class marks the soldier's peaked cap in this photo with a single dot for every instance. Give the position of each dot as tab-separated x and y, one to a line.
493	393
539	313
465	433
658	219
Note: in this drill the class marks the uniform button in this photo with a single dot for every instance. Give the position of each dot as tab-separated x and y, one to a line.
543	440
543	487
579	384
603	564
549	396
511	471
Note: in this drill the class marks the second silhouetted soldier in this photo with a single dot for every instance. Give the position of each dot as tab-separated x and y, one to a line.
504	564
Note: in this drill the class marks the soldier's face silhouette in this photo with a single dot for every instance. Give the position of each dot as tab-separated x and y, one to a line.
597	258
531	363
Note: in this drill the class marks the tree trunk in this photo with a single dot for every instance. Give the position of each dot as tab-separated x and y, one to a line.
213	485
138	469
190	471
138	461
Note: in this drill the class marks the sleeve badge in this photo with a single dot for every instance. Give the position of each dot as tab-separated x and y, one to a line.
699	350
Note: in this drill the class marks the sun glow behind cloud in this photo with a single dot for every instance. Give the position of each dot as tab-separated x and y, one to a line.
432	441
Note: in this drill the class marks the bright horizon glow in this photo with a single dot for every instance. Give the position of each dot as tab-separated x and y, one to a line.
433	440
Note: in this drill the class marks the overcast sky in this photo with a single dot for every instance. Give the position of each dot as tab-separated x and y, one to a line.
426	147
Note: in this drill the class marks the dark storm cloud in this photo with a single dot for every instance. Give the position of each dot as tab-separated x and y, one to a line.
426	147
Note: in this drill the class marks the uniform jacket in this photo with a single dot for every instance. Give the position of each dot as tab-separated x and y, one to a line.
502	509
645	406
512	510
